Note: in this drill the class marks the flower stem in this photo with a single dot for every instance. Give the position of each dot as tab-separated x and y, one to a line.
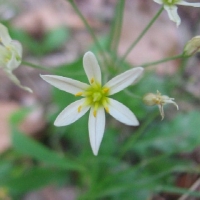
163	60
40	67
116	27
89	29
58	70
141	35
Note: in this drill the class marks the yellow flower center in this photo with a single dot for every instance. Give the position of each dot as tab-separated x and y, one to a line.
96	97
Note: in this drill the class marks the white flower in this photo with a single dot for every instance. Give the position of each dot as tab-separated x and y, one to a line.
171	8
95	98
151	99
10	55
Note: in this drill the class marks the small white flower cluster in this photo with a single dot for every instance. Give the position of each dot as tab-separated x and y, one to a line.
171	8
10	55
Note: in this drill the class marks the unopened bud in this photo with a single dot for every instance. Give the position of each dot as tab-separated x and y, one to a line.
150	99
192	46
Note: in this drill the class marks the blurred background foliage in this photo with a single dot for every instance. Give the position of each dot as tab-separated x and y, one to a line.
144	162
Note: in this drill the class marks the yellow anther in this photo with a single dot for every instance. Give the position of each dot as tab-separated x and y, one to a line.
107	109
8	48
79	94
79	109
95	113
105	90
92	80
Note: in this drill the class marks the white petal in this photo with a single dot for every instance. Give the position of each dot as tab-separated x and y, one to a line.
171	101
13	50
14	79
17	47
184	3
159	1
4	35
123	114
91	67
96	129
161	109
70	114
3	55
173	14
123	80
13	63
66	84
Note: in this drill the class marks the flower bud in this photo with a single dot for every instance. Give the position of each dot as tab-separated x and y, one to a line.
150	99
192	46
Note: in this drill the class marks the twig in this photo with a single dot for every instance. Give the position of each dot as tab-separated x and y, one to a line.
192	188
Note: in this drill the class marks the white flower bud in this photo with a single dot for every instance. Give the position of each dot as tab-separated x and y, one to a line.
10	55
192	46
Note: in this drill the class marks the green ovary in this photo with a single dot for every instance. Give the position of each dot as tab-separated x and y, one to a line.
5	55
170	2
96	95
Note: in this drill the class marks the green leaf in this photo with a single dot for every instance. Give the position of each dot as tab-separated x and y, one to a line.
18	116
181	134
5	170
55	39
33	179
27	146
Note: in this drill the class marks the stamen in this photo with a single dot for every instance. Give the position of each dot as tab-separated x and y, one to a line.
95	113
105	90
79	94
79	109
107	109
105	105
92	80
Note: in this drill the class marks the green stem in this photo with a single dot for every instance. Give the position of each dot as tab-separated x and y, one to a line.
56	71
53	71
112	30
141	35
40	67
162	60
130	94
118	25
89	29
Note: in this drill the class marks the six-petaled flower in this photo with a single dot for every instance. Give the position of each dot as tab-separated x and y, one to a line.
95	97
